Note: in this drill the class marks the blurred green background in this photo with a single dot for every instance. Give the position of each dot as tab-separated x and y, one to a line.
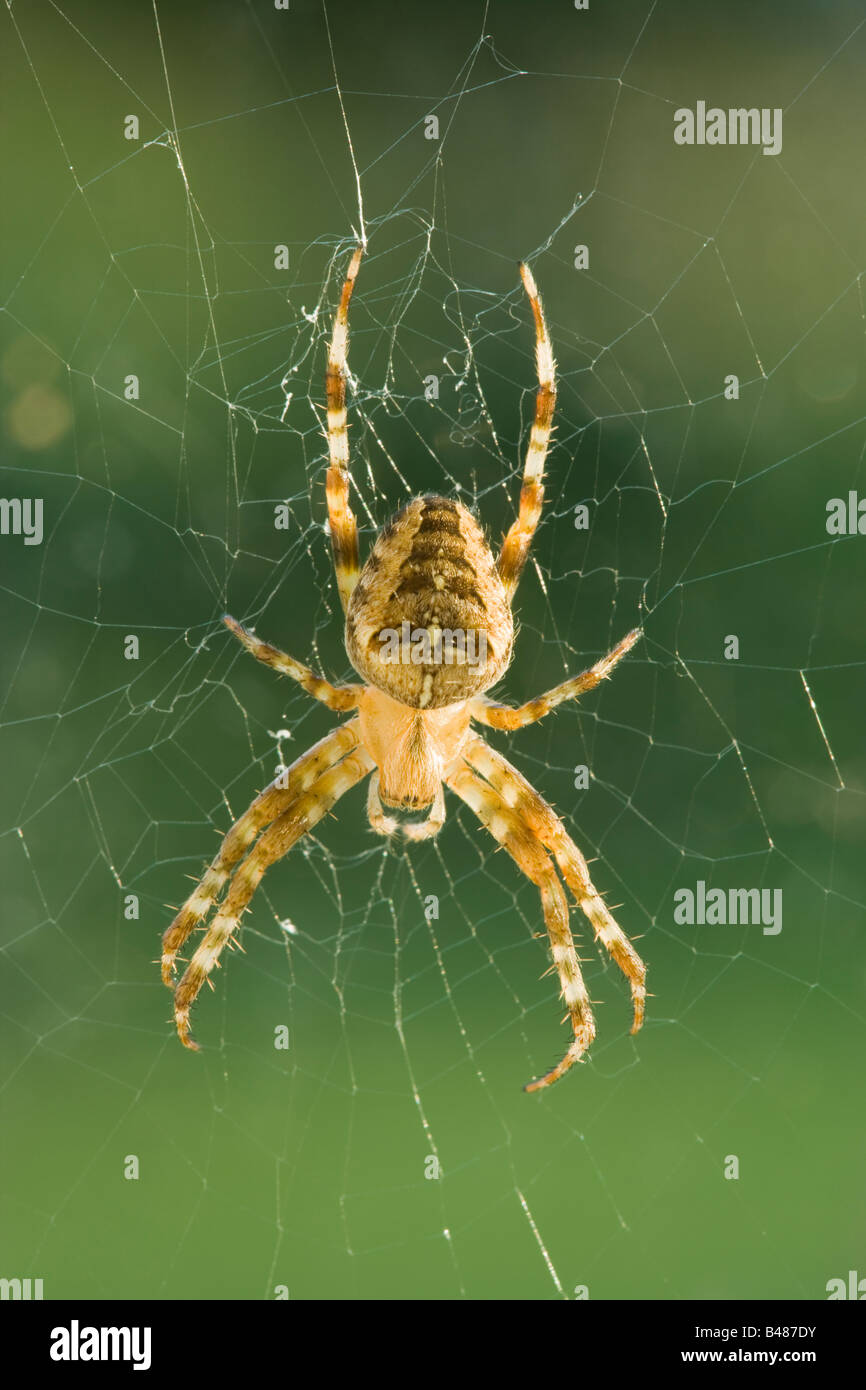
410	1039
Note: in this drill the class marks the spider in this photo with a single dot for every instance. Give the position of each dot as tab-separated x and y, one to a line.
431	577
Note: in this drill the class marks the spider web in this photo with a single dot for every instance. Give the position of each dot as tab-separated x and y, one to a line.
388	1150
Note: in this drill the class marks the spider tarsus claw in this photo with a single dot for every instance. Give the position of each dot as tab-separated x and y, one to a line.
575	1053
181	1019
541	1083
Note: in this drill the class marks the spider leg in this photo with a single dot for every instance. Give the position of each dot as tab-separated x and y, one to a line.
516	545
344	528
515	835
506	717
306	809
336	697
534	811
267	805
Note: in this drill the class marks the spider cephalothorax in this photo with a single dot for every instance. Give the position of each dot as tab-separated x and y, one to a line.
429	629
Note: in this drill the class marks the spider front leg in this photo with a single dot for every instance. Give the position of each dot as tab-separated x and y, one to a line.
534	812
506	717
267	805
515	836
305	811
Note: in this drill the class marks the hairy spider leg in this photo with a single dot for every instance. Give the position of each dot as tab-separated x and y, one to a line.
498	716
306	810
515	549
344	527
521	797
270	803
511	830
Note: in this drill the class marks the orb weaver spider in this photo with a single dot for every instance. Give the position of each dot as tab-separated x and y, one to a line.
430	573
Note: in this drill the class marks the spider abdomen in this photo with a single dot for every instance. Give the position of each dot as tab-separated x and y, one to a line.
429	621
